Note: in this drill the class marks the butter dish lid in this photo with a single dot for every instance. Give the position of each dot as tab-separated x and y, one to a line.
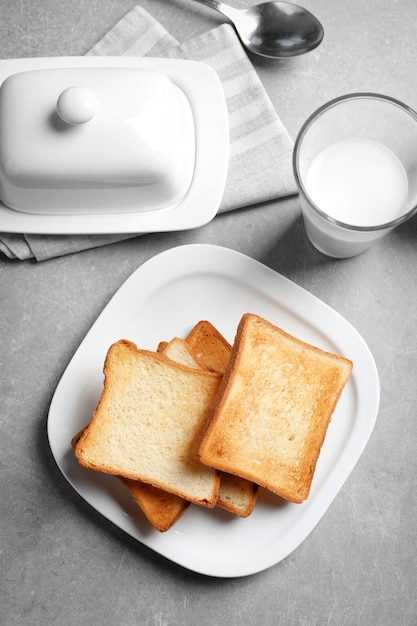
89	139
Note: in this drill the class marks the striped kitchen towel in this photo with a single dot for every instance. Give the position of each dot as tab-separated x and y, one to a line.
260	148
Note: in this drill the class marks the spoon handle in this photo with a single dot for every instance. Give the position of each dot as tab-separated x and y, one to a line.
214	4
229	12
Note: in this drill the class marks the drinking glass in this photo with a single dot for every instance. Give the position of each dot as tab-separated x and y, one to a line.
355	164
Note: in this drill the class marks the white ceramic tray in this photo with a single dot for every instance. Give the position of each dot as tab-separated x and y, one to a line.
165	297
204	92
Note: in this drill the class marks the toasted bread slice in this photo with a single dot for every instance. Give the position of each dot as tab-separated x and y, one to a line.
178	350
149	421
237	495
161	508
207	344
273	409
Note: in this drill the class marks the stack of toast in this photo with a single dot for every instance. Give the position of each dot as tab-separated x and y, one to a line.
200	421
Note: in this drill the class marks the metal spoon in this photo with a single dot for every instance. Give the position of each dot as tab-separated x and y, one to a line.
273	29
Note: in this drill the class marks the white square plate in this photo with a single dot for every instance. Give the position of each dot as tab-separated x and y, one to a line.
164	298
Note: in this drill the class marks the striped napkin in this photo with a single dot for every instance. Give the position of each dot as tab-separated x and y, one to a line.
260	147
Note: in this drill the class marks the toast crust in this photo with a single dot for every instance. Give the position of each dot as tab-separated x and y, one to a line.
273	408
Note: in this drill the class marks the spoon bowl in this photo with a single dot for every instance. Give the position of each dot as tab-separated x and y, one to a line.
273	29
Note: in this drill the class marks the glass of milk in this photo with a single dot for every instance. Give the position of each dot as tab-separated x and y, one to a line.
355	164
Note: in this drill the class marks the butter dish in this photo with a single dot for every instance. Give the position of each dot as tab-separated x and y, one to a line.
88	139
110	144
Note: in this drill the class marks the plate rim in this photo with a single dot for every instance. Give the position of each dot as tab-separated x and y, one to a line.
201	255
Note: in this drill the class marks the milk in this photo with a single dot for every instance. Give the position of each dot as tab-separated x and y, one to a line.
358	181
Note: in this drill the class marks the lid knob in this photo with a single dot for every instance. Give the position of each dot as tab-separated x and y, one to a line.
76	105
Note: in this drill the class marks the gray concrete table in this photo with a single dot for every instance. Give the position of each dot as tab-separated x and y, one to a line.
63	564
